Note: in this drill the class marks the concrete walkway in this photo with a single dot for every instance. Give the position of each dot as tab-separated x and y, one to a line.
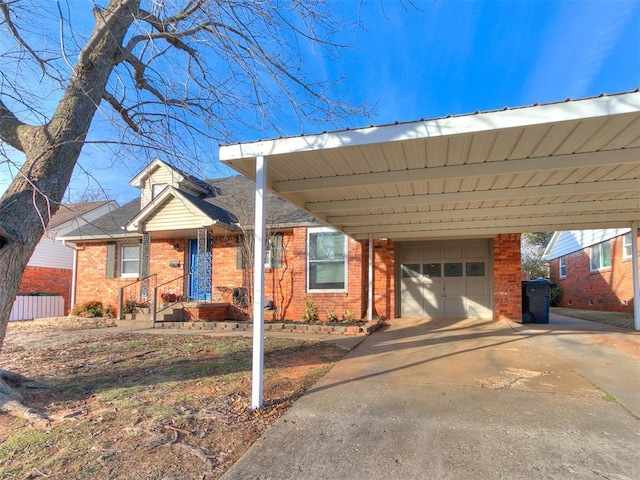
465	399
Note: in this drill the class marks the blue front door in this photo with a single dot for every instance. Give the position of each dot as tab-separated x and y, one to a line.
200	270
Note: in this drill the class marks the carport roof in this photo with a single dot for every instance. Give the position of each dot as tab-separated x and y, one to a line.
559	166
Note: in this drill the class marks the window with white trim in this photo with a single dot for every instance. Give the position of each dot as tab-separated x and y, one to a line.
563	266
157	188
626	246
326	260
130	260
600	256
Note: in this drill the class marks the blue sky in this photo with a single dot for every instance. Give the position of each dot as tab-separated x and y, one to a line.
435	58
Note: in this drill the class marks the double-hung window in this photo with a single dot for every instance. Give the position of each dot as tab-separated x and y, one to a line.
563	267
626	246
326	260
272	252
130	260
600	256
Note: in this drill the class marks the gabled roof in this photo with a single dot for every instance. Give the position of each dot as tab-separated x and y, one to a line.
71	211
209	214
229	204
566	242
236	194
181	176
109	226
566	165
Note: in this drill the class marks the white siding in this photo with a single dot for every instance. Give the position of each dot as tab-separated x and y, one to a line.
161	175
51	254
173	215
575	240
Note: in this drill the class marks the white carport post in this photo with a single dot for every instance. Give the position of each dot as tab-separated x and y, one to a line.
258	283
636	282
370	284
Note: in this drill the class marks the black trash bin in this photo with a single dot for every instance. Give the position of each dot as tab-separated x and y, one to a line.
536	295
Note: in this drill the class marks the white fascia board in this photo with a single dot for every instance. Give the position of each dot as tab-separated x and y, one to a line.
580	239
146	171
551	245
95	238
472	123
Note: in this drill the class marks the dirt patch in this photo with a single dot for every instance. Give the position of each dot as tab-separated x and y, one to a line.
138	406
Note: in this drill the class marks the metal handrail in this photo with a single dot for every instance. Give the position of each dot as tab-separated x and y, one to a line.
121	293
154	297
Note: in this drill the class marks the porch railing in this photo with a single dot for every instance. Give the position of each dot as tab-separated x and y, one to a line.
170	297
135	295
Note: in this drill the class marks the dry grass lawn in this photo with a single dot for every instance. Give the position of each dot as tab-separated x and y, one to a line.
139	406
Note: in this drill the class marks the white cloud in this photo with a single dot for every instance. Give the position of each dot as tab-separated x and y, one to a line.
574	47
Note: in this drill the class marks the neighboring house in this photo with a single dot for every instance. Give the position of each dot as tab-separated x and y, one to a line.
186	239
50	268
593	268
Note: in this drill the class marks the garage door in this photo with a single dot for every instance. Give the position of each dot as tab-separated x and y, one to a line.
449	279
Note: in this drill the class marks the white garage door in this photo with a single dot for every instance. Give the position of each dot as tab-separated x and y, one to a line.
450	279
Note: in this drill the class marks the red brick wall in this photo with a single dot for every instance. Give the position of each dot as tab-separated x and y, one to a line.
383	277
48	280
507	277
288	285
610	289
92	284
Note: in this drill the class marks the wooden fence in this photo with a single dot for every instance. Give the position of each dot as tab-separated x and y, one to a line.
28	307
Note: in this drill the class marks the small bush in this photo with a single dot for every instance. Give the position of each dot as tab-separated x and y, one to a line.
332	316
554	301
349	316
310	311
89	309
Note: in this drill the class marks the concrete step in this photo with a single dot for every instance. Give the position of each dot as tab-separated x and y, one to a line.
134	323
138	316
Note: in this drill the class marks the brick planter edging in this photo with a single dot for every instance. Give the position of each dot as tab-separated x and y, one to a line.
365	329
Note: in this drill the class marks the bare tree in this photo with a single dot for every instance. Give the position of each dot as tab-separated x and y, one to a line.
168	78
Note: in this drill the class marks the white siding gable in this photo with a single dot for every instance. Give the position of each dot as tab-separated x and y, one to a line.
564	243
174	215
51	254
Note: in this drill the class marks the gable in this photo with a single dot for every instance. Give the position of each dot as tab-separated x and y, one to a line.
174	214
564	243
158	175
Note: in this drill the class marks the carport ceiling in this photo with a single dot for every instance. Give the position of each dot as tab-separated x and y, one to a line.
561	166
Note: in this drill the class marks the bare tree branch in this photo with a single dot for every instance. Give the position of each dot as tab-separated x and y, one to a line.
124	113
14	31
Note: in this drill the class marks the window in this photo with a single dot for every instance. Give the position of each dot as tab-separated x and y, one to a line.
453	269
272	254
157	188
563	267
326	260
600	256
130	260
626	246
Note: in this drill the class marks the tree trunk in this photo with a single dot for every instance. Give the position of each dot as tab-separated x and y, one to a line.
52	151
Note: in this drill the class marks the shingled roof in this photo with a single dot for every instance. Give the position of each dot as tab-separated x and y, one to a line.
230	201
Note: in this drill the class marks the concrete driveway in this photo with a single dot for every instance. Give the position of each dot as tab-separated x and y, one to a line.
465	399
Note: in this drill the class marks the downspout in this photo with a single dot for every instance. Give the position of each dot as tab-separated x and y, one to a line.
75	248
636	281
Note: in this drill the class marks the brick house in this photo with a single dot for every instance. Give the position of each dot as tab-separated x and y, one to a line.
417	218
593	268
50	268
184	238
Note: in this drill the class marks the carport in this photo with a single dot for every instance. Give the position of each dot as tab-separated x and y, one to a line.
560	166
